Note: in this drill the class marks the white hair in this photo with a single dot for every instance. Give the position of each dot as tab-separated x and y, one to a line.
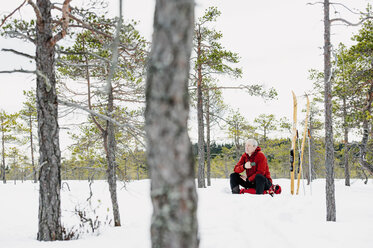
253	142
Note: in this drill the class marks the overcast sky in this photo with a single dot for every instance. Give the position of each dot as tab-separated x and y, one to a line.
278	42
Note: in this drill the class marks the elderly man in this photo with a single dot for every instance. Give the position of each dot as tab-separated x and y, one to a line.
254	162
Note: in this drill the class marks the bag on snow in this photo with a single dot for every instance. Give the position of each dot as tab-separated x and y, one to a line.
274	189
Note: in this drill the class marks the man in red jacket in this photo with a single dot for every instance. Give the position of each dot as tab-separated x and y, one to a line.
254	162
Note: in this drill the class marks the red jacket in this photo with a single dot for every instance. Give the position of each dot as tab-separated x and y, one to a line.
258	162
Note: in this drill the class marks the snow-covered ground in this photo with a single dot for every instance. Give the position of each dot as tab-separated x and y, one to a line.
225	220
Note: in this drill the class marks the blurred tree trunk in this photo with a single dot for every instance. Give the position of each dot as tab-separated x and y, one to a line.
170	158
329	147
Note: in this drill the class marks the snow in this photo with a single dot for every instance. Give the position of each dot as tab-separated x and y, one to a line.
225	220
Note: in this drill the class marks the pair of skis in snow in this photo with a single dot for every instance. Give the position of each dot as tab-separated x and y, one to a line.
294	143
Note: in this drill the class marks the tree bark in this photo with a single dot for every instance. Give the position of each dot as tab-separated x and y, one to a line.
329	147
169	151
48	129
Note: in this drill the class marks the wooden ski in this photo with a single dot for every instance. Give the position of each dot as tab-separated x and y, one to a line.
293	143
303	142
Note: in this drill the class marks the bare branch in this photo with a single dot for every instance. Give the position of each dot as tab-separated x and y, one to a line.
315	3
345	8
18	71
344	20
14	11
18	53
65	23
349	23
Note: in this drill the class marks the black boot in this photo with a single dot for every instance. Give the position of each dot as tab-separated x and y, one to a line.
236	190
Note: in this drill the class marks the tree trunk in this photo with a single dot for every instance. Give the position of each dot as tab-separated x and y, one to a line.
111	162
108	135
363	146
312	151
329	148
201	132
346	165
169	152
208	150
48	130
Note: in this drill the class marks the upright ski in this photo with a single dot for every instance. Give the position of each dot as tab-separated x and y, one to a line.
303	142
293	143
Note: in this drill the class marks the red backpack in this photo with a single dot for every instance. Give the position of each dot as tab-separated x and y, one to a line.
274	189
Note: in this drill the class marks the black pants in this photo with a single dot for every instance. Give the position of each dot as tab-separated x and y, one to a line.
260	183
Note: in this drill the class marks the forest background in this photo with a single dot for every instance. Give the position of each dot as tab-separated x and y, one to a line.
290	49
